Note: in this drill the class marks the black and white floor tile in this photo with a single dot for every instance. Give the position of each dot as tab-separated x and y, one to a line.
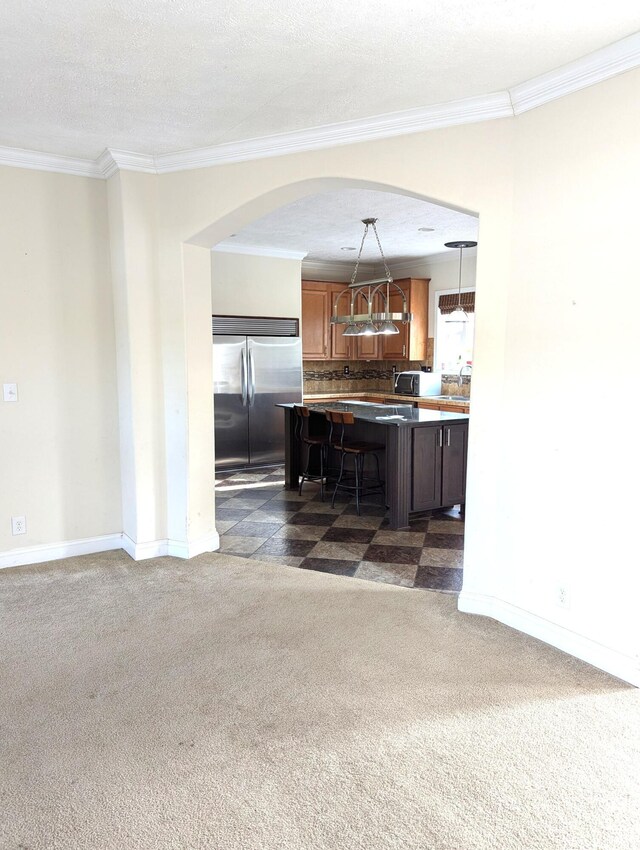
258	518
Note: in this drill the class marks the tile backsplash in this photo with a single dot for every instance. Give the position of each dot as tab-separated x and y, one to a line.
451	385
325	376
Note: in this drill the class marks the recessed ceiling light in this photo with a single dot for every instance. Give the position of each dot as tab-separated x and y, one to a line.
427	229
347	248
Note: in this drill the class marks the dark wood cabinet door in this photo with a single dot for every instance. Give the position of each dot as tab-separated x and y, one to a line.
315	323
454	463
426	487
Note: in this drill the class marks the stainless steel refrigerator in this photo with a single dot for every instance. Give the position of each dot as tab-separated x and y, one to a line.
251	374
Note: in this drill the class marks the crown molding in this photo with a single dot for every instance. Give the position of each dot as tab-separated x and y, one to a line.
130	161
598	66
38	161
609	61
470	110
409	268
255	251
336	271
340	271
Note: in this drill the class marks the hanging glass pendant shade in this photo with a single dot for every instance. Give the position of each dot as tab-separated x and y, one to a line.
459	315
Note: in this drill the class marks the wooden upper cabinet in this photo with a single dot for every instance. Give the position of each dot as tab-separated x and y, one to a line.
342	347
323	341
370	347
353	347
411	342
316	310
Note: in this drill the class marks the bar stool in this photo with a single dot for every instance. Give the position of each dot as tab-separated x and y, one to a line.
358	449
304	438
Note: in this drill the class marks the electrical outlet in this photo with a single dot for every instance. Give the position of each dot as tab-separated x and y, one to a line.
562	596
10	392
346	370
18	525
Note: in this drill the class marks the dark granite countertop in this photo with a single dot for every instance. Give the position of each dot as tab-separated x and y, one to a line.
389	414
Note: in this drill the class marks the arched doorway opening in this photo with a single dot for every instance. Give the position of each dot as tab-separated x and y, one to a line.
233	226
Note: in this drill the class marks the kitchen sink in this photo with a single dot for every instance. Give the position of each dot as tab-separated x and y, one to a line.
450	398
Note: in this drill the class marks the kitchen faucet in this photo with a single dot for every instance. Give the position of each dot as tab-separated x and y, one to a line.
464	366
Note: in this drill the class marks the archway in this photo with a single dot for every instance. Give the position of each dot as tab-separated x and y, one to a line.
235	220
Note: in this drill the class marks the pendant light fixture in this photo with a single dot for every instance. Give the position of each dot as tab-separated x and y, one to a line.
458	314
360	297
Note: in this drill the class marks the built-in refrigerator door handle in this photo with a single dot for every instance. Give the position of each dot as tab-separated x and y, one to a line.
243	375
252	378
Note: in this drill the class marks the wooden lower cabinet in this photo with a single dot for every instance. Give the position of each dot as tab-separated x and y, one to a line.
447	406
439	466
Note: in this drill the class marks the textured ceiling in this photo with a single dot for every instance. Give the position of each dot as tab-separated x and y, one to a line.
321	225
156	76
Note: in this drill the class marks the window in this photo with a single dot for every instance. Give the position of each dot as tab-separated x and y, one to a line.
454	340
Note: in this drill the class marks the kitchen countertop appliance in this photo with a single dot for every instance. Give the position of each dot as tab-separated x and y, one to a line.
417	383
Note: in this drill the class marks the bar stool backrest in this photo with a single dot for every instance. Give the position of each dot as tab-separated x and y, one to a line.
337	421
301	413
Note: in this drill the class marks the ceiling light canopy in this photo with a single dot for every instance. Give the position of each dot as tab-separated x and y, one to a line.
459	315
369	296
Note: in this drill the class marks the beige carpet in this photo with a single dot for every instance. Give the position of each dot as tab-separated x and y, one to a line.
224	703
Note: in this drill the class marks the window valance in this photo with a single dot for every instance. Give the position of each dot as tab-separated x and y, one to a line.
448	303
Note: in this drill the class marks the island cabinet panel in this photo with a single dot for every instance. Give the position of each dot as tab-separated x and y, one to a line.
426	487
439	466
454	463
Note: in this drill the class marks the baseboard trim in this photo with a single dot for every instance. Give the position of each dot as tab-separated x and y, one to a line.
143	551
106	542
189	549
54	552
610	660
175	548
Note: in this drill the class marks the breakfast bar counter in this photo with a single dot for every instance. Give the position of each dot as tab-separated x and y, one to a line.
425	463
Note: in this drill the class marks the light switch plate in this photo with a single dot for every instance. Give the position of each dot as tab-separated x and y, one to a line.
10	392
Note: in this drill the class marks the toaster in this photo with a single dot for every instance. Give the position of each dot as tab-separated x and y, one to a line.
417	383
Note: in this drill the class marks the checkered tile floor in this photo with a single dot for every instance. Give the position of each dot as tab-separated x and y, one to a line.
258	518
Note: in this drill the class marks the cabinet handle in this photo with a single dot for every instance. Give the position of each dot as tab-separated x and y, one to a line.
404	350
440	438
448	436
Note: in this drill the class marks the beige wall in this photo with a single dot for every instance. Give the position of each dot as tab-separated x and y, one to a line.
59	457
572	464
247	285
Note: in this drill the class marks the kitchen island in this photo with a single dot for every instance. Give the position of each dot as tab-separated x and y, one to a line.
425	463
